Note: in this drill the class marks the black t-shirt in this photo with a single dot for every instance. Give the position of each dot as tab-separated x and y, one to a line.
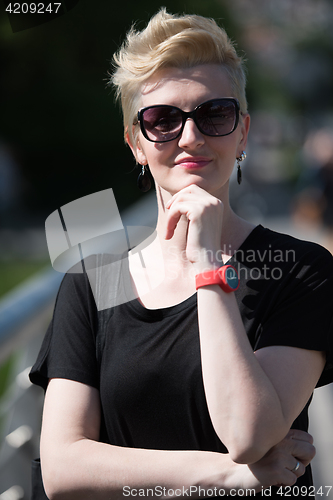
150	379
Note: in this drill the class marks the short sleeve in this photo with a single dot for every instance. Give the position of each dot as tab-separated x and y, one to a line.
68	349
303	313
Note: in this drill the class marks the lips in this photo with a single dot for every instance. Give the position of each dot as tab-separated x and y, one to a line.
193	162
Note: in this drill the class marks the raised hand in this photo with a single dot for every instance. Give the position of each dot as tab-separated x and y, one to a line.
204	213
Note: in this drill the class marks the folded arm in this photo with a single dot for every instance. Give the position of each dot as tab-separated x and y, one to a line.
253	398
76	466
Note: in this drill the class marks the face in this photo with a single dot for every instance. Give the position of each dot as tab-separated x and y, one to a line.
192	158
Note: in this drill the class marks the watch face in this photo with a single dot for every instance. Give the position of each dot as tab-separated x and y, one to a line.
231	278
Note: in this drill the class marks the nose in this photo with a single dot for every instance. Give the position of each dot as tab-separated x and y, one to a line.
191	136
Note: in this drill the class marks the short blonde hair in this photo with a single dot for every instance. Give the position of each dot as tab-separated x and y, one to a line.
172	41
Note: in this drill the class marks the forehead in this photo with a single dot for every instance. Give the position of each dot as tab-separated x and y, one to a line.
186	87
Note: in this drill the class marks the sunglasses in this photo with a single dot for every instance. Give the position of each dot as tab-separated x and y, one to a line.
215	118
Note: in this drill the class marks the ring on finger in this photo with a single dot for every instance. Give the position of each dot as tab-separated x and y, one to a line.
296	467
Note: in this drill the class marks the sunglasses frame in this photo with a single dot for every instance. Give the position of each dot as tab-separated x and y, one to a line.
188	114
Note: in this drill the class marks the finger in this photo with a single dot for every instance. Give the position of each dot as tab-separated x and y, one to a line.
183	191
296	467
303	451
300	435
179	197
169	203
172	224
289	477
187	193
174	215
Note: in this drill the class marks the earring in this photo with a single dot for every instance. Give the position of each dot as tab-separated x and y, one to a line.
144	182
239	170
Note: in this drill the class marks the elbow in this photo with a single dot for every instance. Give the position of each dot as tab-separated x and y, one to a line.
52	492
52	489
53	495
250	449
55	483
247	454
248	441
56	492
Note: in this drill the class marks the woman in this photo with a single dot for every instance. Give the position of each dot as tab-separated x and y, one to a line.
202	378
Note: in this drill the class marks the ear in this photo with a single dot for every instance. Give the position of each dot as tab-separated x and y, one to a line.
245	127
136	148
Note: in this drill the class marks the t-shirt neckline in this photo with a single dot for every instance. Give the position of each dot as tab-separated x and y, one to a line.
192	299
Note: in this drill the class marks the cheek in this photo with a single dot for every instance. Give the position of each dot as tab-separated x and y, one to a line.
226	149
157	154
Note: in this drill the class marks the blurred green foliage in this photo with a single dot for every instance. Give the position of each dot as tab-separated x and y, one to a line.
13	272
5	372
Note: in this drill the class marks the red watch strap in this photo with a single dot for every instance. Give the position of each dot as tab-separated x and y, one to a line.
206	278
215	277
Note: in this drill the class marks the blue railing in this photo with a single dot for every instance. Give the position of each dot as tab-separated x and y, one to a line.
25	301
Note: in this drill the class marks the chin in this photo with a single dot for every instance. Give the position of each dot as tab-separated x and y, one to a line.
213	186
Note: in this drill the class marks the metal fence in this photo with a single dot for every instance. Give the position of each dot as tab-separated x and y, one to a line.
24	315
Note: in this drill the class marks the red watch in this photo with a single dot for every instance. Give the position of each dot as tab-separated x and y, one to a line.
226	277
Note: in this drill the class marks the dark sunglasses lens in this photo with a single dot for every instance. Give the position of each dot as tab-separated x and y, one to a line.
217	118
162	123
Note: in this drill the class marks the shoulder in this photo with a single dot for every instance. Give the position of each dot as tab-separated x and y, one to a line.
293	305
74	287
267	245
76	299
68	349
92	282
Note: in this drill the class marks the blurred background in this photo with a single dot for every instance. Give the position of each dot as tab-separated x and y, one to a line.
61	138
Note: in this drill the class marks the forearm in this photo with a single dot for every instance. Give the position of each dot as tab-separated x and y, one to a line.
244	406
88	469
76	465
